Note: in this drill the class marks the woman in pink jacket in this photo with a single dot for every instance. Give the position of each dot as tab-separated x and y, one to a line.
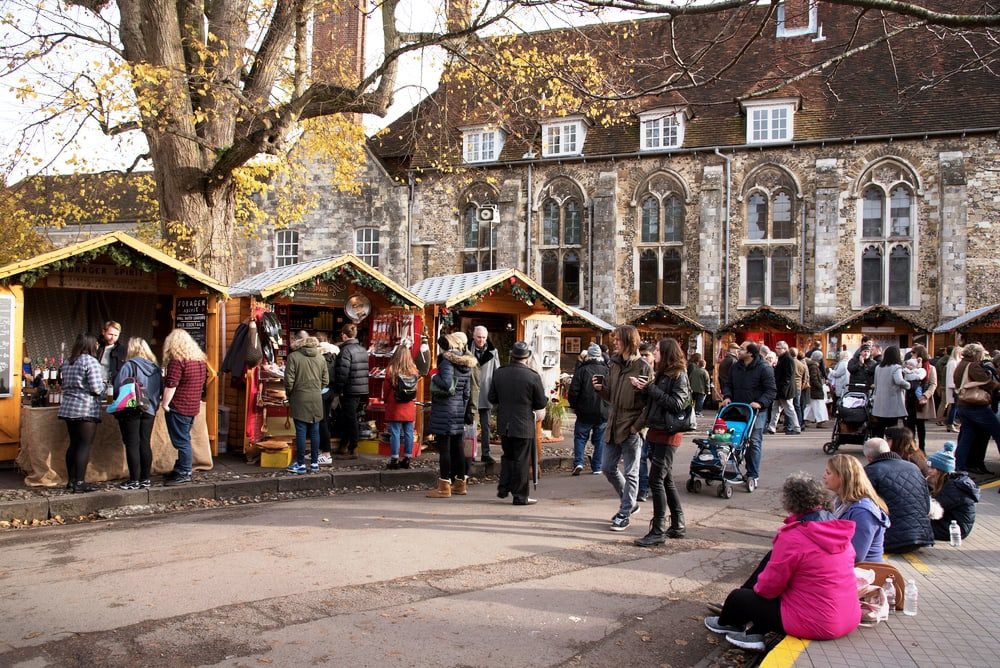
805	586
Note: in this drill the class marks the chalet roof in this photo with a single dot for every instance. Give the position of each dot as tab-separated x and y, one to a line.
99	197
666	314
453	289
272	281
11	272
876	313
969	319
897	90
590	319
764	315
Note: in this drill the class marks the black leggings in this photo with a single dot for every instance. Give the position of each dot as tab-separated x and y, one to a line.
880	424
451	455
136	431
81	438
745	606
661	482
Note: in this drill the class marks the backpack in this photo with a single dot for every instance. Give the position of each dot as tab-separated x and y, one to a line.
405	389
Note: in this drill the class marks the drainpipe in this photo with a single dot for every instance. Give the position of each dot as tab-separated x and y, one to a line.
802	270
527	225
725	259
590	256
411	188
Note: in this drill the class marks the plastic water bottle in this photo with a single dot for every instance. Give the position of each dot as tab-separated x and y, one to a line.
910	599
890	593
955	534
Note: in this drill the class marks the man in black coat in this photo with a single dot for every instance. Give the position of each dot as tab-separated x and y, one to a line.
904	490
785	381
751	381
351	384
517	392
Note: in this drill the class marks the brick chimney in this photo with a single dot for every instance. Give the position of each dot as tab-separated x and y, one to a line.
338	41
458	15
797	17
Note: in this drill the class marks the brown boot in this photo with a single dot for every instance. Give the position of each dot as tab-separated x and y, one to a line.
443	490
460	486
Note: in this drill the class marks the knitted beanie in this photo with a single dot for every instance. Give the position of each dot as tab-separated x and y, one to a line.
944	460
720	424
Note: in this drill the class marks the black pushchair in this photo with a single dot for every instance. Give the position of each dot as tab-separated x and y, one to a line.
725	461
853	423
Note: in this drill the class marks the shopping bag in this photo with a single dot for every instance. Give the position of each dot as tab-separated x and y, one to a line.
470	442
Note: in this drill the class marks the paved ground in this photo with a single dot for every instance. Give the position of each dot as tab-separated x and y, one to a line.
397	579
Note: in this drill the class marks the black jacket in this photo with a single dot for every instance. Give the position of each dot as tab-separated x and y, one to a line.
117	358
587	404
517	392
904	490
747	384
666	395
861	374
958	499
352	370
784	376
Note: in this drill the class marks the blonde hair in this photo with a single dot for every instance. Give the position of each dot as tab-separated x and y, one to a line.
137	347
854	482
401	364
181	347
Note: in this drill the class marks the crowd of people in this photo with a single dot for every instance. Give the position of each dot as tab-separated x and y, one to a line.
95	370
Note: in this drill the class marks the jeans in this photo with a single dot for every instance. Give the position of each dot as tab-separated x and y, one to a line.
979	423
699	402
627	485
644	467
395	430
791	421
179	428
301	428
136	430
661	483
595	432
755	448
484	432
800	400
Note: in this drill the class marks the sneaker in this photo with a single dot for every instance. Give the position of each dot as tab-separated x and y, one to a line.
642	497
404	463
577	470
179	479
129	484
325	458
597	472
713	625
751	641
297	469
635	509
314	467
392	464
619	523
769	431
488	460
793	432
145	484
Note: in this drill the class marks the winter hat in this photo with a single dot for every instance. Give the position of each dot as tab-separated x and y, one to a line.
457	341
720	424
594	352
817	355
944	460
520	351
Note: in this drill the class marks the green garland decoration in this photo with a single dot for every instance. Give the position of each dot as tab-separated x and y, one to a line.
521	293
356	277
120	255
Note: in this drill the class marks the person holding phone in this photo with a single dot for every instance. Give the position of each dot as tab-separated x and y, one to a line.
591	411
622	389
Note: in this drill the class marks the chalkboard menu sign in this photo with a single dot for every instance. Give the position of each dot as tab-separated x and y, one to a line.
6	345
191	314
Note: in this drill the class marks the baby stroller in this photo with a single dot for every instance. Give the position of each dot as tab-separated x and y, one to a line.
853	423
724	460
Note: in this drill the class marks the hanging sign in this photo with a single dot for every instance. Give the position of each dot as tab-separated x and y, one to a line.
6	345
108	277
191	314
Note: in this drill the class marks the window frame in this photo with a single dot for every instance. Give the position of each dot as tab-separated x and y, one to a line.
886	243
560	128
665	205
659	118
279	257
474	140
553	232
484	252
366	244
768	109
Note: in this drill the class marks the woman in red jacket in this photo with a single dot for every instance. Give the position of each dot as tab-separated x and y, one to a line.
805	586
399	384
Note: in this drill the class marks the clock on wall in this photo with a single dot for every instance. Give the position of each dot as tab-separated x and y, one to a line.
358	307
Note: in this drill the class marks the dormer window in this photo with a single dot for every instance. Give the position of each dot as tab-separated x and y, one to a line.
482	144
798	17
770	121
661	129
563	137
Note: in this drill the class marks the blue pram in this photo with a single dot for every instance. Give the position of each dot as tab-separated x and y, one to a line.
725	461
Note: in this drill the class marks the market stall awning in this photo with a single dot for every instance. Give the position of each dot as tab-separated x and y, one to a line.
588	319
876	316
287	278
980	316
30	270
667	315
764	316
456	291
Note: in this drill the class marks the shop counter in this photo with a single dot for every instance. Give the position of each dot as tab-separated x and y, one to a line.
44	441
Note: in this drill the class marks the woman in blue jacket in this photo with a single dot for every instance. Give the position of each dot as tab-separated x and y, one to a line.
858	501
136	426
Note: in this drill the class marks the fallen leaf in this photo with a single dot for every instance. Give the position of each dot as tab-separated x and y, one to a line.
33	634
645	638
679	641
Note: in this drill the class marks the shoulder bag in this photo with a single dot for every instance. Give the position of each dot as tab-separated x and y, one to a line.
131	396
972	392
679	422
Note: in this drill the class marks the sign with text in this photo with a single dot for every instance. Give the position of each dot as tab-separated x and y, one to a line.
6	345
109	277
191	314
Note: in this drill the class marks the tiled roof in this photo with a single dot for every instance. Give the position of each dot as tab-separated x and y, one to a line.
592	320
968	319
102	197
877	312
253	285
763	315
917	85
438	289
665	313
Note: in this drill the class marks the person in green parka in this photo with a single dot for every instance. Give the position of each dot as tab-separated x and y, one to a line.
306	378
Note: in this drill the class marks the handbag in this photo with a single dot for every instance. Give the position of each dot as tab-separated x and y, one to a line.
470	442
131	396
972	392
679	422
438	392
